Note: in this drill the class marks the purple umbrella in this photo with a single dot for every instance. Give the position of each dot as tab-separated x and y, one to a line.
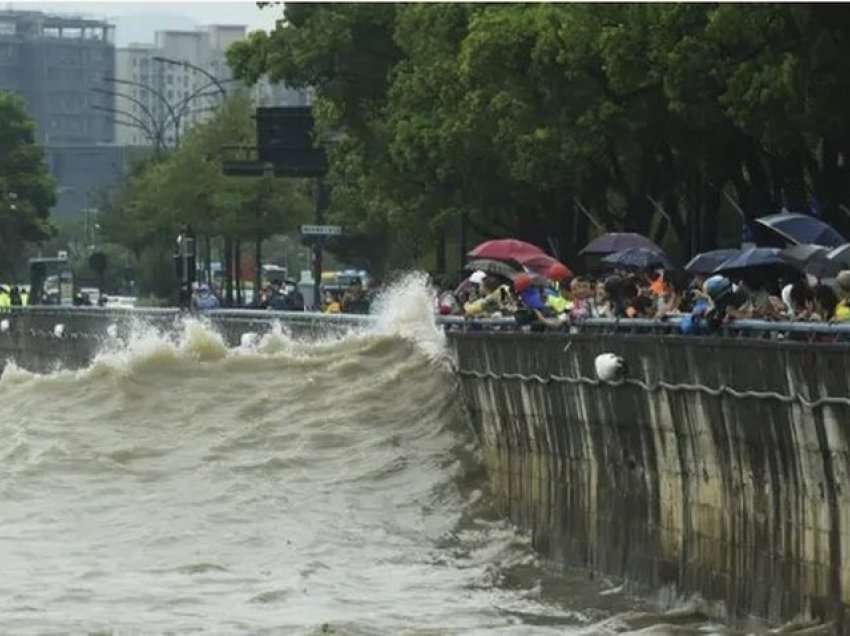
617	242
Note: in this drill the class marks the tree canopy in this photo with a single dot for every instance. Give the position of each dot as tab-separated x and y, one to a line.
27	191
187	187
551	121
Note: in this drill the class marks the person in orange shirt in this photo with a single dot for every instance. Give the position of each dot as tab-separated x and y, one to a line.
658	287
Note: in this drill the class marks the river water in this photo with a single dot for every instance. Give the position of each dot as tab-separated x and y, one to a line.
179	486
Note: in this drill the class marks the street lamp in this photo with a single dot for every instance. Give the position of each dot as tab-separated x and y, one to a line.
199	69
184	260
155	135
155	130
158	94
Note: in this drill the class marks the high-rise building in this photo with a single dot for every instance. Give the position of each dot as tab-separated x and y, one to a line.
161	99
53	62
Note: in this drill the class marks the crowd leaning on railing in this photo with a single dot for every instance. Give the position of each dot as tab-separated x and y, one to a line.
627	276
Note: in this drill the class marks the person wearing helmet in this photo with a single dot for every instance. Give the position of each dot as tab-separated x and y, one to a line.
534	310
709	307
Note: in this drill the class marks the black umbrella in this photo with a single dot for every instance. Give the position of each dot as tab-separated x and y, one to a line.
617	242
811	259
763	264
639	258
492	266
707	262
752	257
841	256
802	229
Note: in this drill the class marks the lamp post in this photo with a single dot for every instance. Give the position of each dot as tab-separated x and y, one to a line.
184	261
156	128
153	132
199	69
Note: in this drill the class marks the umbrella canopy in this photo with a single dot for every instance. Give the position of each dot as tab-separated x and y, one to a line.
811	259
802	229
707	262
762	264
617	242
505	250
753	257
841	255
491	266
639	258
541	263
525	280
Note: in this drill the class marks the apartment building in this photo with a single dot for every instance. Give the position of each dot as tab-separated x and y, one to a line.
52	62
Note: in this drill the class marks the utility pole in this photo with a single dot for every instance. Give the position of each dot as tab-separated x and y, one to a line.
318	244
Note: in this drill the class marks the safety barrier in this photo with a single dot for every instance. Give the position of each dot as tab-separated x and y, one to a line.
822	331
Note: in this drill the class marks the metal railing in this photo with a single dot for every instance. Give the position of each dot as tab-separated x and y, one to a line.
668	327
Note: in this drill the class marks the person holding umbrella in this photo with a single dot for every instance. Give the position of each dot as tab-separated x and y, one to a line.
496	299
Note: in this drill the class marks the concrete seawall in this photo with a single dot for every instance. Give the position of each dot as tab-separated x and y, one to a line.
719	466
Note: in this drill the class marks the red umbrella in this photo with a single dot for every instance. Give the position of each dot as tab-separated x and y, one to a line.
506	249
542	264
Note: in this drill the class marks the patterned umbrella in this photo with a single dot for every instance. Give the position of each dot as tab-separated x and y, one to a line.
639	258
491	266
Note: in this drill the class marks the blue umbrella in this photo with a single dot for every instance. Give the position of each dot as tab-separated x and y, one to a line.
707	262
801	229
639	258
616	242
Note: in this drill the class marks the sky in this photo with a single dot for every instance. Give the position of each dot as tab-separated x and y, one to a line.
137	21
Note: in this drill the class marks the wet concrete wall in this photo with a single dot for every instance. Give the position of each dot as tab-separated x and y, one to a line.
717	466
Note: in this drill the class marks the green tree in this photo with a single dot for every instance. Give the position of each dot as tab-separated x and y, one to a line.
548	121
188	187
27	192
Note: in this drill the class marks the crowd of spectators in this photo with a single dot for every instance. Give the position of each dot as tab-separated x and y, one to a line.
700	301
